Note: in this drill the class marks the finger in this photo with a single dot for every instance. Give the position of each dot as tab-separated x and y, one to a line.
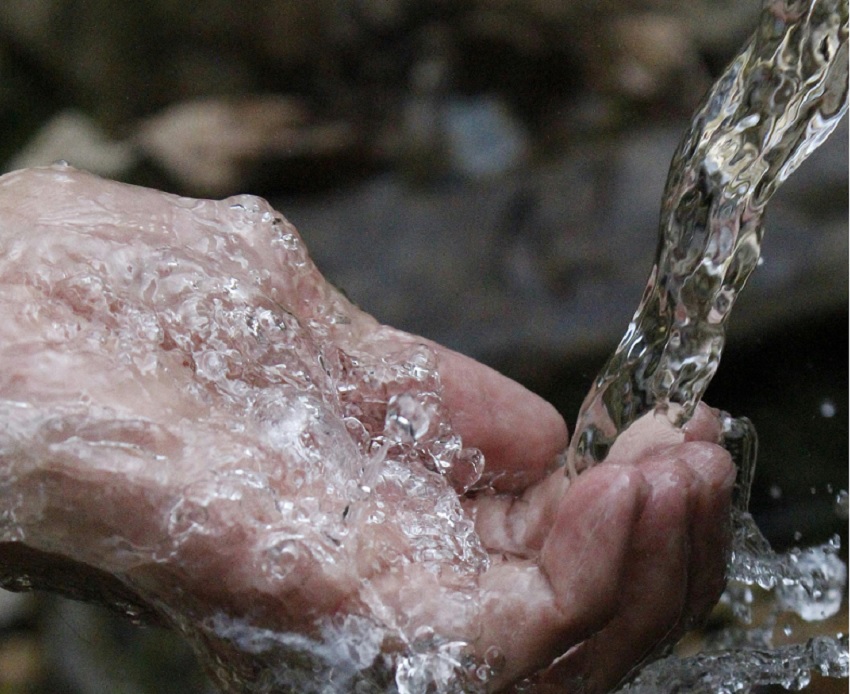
519	433
710	526
652	600
705	425
534	612
519	525
647	437
654	432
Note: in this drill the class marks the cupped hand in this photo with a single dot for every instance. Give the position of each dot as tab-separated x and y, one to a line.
188	406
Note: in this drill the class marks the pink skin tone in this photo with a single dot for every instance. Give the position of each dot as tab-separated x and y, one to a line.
586	578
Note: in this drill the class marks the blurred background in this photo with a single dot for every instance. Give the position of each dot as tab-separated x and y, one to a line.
486	173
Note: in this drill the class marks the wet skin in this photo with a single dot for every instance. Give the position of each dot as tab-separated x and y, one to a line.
585	578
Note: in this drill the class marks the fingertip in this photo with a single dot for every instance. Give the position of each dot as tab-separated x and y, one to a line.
705	425
519	432
711	463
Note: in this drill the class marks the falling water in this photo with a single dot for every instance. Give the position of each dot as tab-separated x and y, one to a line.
778	100
775	104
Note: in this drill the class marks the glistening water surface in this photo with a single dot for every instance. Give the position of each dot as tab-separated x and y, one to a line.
777	101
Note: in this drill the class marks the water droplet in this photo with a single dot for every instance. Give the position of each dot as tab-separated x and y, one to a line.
377	516
186	517
816	594
827	409
210	365
495	659
407	419
775	491
841	505
289	241
130	611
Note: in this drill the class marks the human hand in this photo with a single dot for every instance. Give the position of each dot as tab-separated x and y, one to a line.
190	407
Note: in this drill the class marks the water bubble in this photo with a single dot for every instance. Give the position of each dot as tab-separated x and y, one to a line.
377	516
743	611
796	681
210	365
186	517
775	491
289	241
439	670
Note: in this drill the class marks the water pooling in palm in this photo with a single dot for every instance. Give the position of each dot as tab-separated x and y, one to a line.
776	103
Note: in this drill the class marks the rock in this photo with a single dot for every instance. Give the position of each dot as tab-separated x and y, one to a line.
539	256
484	139
465	139
212	146
653	55
73	137
13	606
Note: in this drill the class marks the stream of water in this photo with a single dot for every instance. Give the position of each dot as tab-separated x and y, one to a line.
777	101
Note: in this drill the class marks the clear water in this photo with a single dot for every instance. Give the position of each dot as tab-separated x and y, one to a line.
778	101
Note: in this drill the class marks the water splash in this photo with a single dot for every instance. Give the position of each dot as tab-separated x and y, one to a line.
740	669
777	101
809	583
